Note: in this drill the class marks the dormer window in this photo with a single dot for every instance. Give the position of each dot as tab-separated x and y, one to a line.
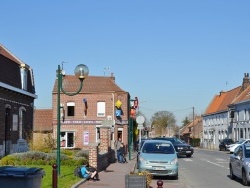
24	75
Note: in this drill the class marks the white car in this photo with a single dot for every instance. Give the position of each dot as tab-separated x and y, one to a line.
233	146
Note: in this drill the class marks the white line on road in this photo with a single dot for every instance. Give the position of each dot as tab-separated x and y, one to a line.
215	164
187	160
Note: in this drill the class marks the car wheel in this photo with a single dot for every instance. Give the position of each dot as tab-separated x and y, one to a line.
244	178
176	177
219	148
232	176
188	155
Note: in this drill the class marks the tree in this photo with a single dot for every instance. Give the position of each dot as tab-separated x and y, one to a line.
185	122
162	120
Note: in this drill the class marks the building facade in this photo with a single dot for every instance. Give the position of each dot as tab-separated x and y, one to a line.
227	116
17	95
100	103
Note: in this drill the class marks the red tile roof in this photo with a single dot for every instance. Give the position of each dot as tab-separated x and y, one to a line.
220	102
43	120
245	95
91	84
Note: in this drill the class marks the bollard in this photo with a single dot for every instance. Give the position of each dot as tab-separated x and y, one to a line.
54	176
159	184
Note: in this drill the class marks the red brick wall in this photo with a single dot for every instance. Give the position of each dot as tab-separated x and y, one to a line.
92	100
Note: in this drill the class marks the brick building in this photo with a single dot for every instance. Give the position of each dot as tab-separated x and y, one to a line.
86	114
17	94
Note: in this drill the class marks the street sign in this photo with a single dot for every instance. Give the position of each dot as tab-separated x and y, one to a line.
140	119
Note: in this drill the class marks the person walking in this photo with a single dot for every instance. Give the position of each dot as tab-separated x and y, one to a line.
118	152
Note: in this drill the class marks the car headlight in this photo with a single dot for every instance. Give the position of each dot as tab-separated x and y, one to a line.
179	148
142	160
175	161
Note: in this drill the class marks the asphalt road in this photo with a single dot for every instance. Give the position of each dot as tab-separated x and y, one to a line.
204	169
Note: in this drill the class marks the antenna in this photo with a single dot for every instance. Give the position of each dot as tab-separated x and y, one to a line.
63	63
106	69
226	85
63	72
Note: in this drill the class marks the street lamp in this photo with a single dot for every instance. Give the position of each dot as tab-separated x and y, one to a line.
81	72
133	104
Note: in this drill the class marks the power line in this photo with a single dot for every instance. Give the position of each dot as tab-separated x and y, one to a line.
167	110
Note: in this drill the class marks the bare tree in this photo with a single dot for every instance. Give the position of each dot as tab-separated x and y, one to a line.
162	120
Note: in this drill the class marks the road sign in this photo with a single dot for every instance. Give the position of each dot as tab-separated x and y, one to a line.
140	119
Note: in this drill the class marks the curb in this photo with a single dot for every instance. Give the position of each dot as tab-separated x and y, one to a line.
78	183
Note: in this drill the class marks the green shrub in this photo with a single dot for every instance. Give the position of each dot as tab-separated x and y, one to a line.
82	153
41	158
9	160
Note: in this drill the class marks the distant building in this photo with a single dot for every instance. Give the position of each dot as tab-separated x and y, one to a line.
17	95
228	115
192	130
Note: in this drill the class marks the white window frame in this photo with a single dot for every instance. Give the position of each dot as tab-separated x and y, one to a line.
101	109
65	137
70	104
24	77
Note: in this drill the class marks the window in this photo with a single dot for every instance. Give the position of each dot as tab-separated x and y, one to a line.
245	114
98	135
24	75
100	109
67	139
237	116
70	109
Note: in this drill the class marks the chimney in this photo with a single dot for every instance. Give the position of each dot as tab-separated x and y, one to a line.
246	81
112	76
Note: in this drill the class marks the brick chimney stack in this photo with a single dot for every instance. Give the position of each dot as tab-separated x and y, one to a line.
112	76
246	81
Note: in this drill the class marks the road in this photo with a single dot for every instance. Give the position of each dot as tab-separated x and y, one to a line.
204	169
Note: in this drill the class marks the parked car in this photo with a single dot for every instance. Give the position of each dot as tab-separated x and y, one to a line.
182	149
159	158
233	146
224	144
139	148
239	163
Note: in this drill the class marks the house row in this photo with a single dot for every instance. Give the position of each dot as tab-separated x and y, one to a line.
226	116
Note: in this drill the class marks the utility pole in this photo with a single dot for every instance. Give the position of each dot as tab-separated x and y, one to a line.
193	124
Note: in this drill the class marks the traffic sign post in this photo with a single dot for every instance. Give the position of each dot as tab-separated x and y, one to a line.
140	120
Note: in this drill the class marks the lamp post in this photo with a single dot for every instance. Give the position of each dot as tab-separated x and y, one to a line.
133	104
81	72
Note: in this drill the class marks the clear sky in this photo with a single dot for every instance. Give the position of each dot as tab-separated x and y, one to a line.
171	54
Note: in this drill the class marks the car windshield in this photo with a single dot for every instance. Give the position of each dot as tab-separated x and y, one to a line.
158	147
241	142
177	141
247	151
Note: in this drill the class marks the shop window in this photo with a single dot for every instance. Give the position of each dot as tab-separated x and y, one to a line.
67	139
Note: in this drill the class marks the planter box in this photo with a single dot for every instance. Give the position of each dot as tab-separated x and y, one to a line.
135	181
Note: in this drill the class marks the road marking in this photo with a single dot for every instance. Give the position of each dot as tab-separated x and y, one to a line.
187	159
215	164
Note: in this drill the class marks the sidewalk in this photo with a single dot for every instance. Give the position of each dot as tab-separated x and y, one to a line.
113	177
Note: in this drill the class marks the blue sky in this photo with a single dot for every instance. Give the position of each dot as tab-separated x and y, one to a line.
172	55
